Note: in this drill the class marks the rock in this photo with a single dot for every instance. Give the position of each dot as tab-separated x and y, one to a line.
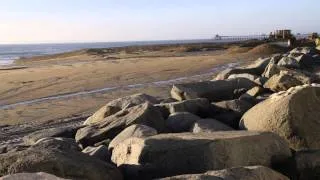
101	152
31	176
275	58
289	62
284	80
271	70
308	164
214	91
64	144
256	91
111	126
209	125
181	121
236	173
304	50
66	132
3	149
305	61
256	68
245	75
237	106
292	114
119	104
57	158
136	130
199	106
168	100
166	155
229	118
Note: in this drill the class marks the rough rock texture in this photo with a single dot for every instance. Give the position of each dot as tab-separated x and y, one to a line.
199	106
181	121
293	114
31	176
284	80
237	106
172	154
136	130
289	62
101	152
308	164
246	76
304	50
66	132
209	125
256	68
256	91
58	157
214	91
145	114
118	105
237	173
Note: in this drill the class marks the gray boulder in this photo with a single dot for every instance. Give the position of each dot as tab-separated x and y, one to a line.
166	155
118	105
181	121
289	62
285	80
307	164
101	152
199	106
305	50
111	126
214	91
58	157
136	130
209	125
31	176
66	132
245	75
256	68
292	114
236	173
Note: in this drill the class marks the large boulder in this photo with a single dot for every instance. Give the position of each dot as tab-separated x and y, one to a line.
256	68
31	176
101	152
199	106
305	50
214	91
230	112
136	130
289	62
285	80
111	126
58	158
166	155
236	173
66	132
307	164
181	121
292	114
305	61
118	105
209	125
245	75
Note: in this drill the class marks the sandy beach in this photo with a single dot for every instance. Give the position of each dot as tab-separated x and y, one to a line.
23	91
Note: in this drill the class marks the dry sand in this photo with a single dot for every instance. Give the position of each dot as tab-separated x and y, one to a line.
83	72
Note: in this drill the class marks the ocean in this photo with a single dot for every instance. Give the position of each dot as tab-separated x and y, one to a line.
8	53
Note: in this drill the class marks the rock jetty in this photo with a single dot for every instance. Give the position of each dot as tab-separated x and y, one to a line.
258	122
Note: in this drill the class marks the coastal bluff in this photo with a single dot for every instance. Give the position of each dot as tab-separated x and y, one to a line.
259	121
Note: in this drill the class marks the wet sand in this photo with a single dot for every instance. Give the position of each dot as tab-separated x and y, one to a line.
129	74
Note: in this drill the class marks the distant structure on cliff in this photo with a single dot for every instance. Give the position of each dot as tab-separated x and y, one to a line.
281	34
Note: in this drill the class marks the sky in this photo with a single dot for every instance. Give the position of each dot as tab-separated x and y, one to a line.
58	21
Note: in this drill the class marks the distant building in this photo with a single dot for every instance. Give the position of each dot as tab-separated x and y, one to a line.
281	34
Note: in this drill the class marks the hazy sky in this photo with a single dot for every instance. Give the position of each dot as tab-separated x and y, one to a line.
34	21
